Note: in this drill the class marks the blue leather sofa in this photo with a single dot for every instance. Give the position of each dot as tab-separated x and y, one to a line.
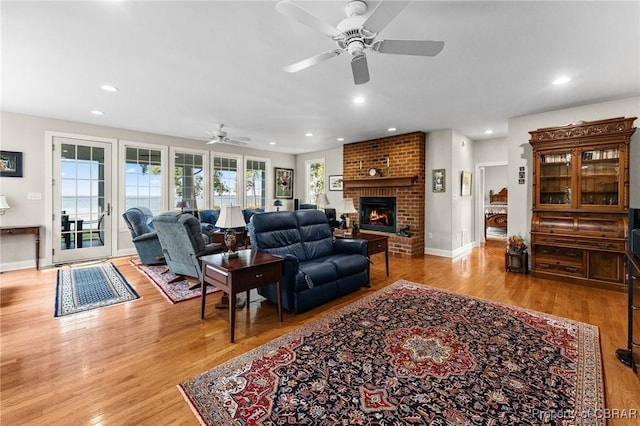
316	269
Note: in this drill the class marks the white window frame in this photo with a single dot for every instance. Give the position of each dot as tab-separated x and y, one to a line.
122	160
307	177
241	185
205	170
268	190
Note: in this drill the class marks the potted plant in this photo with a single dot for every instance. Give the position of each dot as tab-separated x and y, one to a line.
516	244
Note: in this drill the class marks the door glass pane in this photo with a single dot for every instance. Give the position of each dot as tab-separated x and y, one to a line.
81	196
555	178
600	175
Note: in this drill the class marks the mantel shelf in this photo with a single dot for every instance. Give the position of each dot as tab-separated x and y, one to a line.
380	182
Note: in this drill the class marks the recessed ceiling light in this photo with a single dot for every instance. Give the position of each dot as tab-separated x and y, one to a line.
358	100
272	143
96	112
340	139
561	80
308	134
488	132
109	88
391	129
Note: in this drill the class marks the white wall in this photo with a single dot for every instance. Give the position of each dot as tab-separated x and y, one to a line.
26	134
520	153
463	212
438	205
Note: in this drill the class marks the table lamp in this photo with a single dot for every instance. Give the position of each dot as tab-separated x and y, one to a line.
322	200
347	208
3	204
230	217
278	204
181	205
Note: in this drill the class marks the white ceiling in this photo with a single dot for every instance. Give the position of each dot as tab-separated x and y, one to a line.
183	66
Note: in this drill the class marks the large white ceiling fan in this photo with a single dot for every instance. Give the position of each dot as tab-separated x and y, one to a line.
357	33
221	136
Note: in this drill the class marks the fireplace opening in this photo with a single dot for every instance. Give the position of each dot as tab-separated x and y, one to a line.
378	213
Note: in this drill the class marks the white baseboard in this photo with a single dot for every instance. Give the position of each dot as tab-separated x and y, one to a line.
14	266
452	254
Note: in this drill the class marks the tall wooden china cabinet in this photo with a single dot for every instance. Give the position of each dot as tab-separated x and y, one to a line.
580	201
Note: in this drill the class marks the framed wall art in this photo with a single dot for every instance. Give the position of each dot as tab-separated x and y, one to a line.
466	183
284	183
439	183
10	164
335	183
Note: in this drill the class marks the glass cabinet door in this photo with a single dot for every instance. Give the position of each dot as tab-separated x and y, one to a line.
600	177
555	179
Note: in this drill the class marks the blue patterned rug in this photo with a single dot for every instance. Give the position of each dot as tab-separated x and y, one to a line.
91	287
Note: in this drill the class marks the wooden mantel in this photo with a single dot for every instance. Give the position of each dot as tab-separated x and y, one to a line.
380	182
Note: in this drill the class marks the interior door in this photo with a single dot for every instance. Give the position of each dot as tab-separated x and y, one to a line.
82	220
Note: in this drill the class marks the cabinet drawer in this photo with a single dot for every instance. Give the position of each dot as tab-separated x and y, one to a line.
560	255
557	268
213	276
377	246
256	277
586	243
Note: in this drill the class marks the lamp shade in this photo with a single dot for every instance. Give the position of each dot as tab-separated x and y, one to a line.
230	217
278	203
347	206
182	204
322	199
3	202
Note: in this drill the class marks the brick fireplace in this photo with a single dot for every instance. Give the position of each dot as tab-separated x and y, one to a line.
404	179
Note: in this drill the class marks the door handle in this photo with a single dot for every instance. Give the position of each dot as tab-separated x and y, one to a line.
108	209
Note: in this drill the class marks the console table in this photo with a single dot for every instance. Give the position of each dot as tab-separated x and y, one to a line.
250	269
22	230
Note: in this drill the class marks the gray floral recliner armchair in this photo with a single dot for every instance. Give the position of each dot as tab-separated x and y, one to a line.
144	236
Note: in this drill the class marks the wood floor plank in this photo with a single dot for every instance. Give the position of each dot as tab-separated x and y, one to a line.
121	364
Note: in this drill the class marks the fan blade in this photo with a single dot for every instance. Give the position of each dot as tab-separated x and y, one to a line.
294	11
383	14
360	69
409	47
235	142
306	63
243	139
212	141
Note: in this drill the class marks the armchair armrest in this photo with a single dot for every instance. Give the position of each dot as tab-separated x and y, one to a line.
147	236
351	246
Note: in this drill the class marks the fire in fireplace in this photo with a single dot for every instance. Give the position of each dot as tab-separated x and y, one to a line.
378	213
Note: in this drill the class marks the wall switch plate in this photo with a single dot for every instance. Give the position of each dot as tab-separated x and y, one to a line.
430	235
34	196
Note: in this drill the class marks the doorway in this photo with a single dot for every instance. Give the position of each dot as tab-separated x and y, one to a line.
81	201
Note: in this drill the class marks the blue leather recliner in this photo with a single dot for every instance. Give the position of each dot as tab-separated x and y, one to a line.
183	243
316	269
144	236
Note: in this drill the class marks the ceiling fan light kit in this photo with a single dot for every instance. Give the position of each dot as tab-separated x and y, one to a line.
221	136
357	33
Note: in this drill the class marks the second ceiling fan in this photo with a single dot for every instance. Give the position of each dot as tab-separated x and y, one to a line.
357	33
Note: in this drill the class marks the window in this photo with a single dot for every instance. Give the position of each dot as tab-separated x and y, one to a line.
188	179
143	178
255	183
225	174
314	179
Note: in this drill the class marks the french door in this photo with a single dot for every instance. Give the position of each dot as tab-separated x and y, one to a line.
82	220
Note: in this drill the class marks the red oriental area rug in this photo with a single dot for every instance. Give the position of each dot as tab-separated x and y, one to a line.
413	355
174	291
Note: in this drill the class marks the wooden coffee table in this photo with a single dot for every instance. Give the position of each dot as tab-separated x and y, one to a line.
377	243
251	269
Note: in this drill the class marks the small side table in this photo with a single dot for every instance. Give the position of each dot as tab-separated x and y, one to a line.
377	243
516	262
20	230
250	269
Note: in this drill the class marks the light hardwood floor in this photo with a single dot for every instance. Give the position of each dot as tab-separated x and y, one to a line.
121	364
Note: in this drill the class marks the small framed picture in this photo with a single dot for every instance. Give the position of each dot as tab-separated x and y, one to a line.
335	183
284	183
466	183
439	183
10	164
